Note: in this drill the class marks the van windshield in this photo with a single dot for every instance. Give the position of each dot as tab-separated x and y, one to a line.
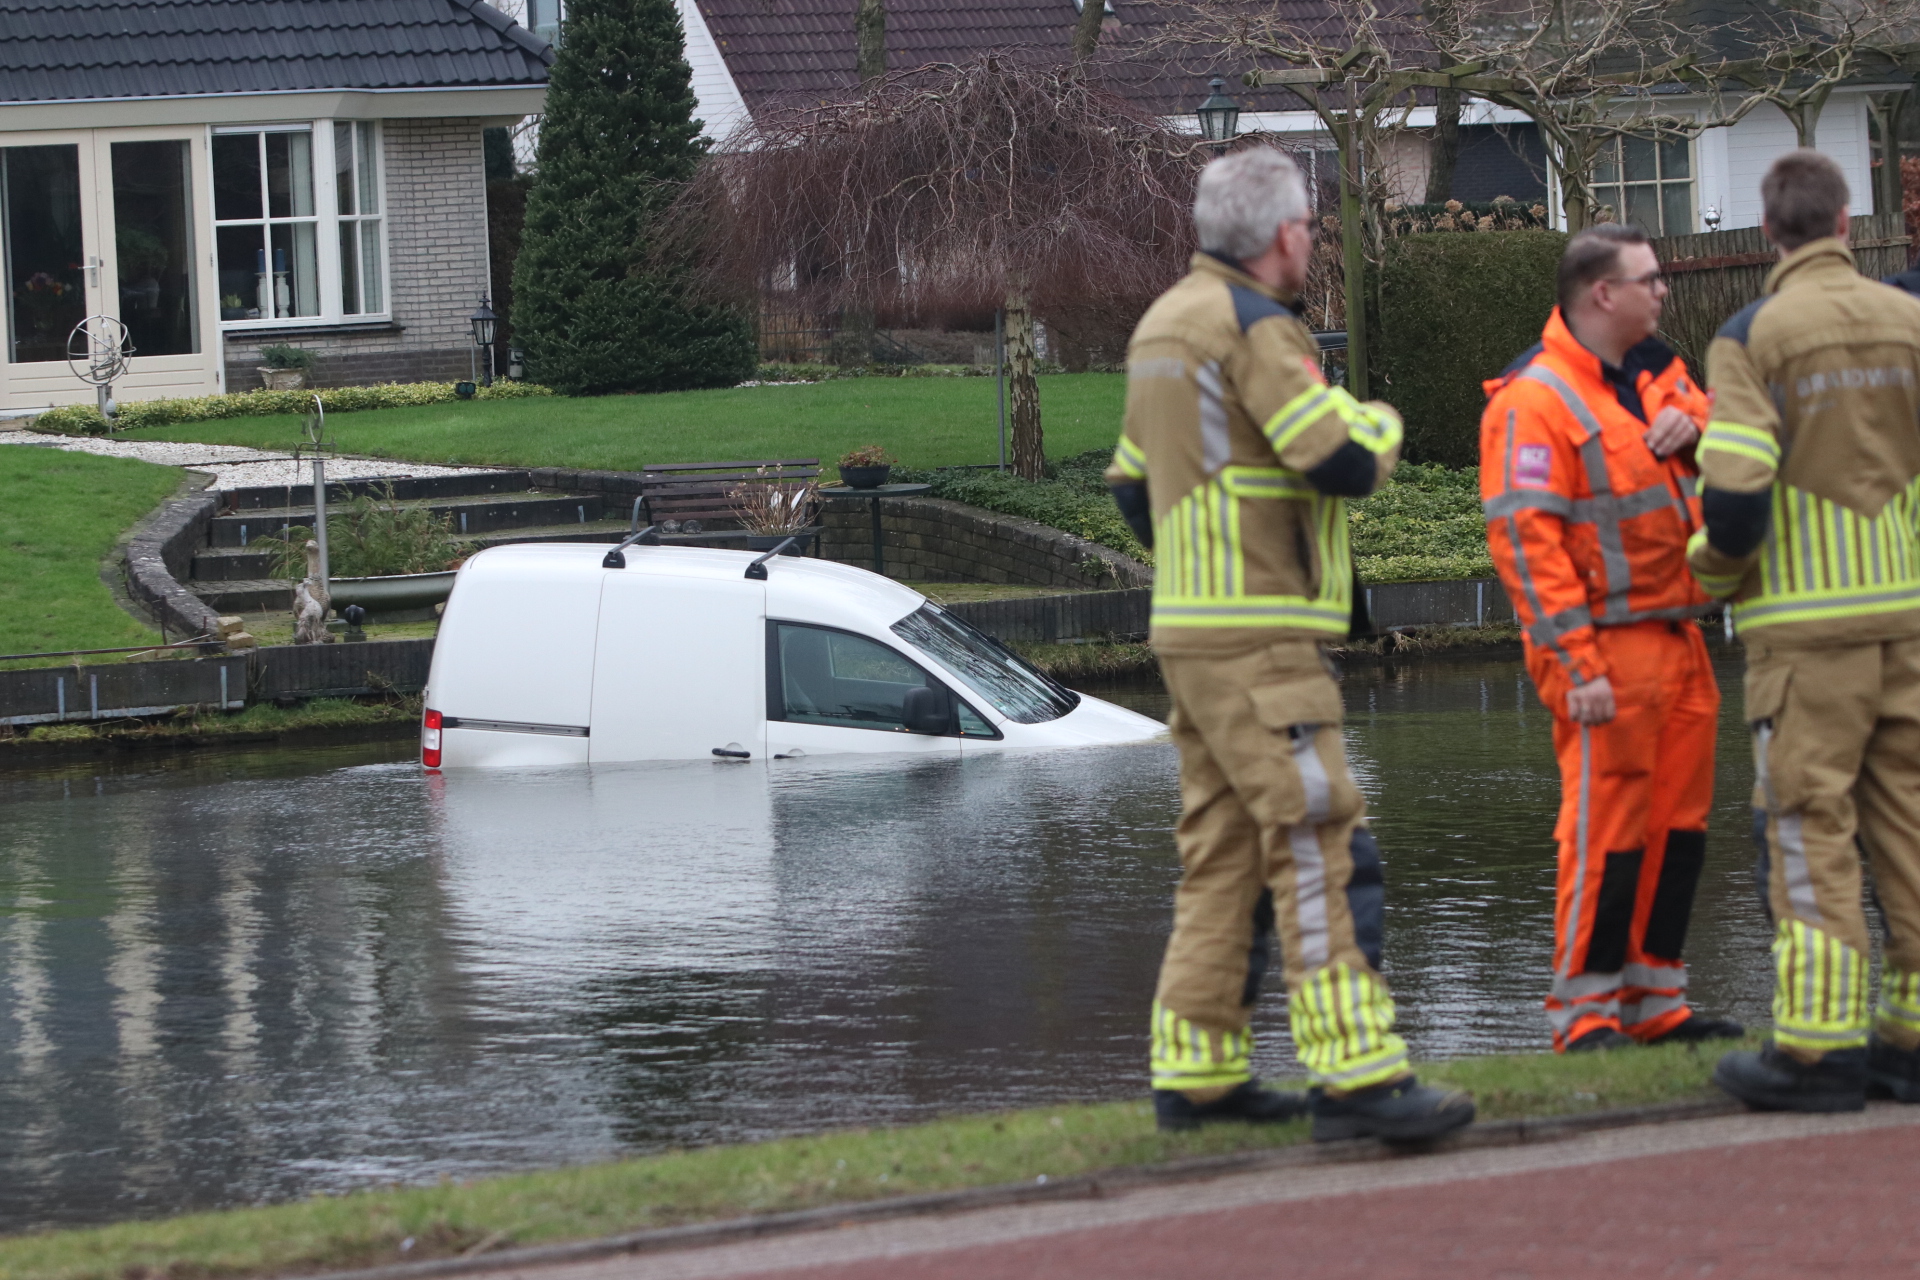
1016	688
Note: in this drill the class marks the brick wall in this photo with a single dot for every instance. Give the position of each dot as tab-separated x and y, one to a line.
436	211
929	540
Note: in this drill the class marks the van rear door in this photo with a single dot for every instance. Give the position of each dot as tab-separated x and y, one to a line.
680	666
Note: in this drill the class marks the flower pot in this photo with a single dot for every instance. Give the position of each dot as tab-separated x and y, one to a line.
282	379
865	477
768	541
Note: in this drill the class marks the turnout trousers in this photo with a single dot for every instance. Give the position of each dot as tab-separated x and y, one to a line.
1836	746
1632	832
1272	834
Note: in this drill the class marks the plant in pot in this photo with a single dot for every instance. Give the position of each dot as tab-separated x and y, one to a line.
866	467
772	509
286	368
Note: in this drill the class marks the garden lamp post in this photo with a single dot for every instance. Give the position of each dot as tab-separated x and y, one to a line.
483	322
1219	117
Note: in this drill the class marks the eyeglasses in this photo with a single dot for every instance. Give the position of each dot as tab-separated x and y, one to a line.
1652	278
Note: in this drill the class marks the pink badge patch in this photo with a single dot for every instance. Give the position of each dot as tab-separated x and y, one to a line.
1533	466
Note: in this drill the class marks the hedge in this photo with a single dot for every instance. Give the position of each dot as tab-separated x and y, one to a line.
85	419
1453	311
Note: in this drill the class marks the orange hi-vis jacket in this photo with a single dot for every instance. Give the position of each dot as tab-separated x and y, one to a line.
1587	527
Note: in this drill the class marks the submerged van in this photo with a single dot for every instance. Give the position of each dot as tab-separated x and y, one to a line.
559	653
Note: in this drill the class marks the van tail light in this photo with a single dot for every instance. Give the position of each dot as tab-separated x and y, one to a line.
430	739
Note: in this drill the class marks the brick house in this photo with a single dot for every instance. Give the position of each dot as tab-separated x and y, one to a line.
221	175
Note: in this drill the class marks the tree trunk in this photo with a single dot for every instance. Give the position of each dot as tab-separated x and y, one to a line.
1086	32
870	40
1443	150
1806	117
1023	392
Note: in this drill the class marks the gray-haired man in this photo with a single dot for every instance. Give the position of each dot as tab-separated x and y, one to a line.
1235	465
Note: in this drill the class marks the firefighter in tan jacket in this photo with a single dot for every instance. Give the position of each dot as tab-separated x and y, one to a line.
1811	475
1235	464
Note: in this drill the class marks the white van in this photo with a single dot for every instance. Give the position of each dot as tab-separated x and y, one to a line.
547	656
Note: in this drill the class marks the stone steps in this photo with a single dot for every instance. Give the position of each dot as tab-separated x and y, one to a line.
480	515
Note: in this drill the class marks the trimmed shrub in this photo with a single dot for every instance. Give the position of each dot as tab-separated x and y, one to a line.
85	420
1455	310
598	305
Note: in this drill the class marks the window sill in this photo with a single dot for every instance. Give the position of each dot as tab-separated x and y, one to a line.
254	329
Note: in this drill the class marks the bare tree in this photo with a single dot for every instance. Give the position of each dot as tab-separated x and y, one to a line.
980	186
1443	149
870	41
1086	32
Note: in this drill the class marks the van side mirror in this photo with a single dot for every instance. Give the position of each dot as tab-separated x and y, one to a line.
927	710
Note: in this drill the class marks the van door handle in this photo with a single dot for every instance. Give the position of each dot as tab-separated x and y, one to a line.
732	753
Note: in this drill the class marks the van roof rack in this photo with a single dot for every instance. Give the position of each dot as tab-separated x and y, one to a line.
758	569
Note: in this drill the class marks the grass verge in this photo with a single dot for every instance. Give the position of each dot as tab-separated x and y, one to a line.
195	726
925	422
369	1228
60	514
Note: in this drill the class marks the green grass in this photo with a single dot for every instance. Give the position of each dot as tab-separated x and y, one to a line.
367	1229
59	516
924	422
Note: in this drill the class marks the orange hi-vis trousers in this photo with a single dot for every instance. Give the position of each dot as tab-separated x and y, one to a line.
1632	832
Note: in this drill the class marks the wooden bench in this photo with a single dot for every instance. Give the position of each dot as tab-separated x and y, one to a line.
673	493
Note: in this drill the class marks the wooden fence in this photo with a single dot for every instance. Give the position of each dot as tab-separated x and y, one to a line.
1714	274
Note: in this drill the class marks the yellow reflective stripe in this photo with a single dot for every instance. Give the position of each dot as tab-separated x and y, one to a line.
1130	459
1899	1000
1297	414
1342	1022
1821	560
1820	990
1375	430
1717	585
1267	482
1184	1056
1738	438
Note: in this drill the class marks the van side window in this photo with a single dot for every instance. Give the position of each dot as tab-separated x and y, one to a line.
831	677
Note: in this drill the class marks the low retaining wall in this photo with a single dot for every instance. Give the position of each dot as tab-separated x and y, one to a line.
933	540
1049	619
339	670
1475	602
48	695
160	559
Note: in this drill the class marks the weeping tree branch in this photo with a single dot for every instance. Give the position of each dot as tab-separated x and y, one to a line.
972	187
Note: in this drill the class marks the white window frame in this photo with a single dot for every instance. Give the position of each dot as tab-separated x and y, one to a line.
327	220
1620	184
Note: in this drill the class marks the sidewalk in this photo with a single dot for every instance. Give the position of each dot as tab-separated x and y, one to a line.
1743	1196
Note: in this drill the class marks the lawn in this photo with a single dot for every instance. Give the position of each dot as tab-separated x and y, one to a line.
376	1227
59	516
925	422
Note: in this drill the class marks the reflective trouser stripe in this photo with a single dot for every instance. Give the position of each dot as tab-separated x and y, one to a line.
1309	862
1899	1004
1647	1008
1188	1057
1787	832
1342	1020
1820	991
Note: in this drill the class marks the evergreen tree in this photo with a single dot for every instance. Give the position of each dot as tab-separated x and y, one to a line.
594	307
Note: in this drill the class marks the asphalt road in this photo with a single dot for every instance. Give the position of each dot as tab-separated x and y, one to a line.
1744	1196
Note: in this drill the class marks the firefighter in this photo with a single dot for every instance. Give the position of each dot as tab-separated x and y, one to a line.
1811	468
1235	463
1587	476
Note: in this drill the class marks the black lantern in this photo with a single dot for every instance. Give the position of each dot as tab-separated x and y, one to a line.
1219	116
484	322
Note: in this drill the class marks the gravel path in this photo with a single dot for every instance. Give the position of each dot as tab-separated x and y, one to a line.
231	466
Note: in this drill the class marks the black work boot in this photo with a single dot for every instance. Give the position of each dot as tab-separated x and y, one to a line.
1892	1072
1699	1028
1399	1111
1600	1038
1248	1103
1771	1080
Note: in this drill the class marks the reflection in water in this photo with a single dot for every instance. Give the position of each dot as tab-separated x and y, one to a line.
233	978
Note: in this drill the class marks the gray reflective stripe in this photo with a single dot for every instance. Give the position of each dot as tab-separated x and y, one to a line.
515	726
1689	486
1593	454
1800	1032
1520	550
1368	1068
1519	500
1818	599
1309	862
1249	611
1549	630
1575	405
1216	447
1655	497
1793	847
1584	986
1563	1018
1580	846
1647	1008
1664	977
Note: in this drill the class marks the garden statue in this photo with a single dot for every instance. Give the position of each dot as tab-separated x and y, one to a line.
310	601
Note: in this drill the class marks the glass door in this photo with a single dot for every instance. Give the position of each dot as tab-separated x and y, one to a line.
105	222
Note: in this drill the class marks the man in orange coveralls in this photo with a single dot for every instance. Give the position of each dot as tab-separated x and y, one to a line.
1587	477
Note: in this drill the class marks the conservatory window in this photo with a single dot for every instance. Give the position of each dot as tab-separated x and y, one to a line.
1647	183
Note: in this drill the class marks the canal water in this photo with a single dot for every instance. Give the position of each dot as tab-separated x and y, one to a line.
234	977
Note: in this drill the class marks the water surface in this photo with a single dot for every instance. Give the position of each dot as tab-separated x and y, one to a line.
236	977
